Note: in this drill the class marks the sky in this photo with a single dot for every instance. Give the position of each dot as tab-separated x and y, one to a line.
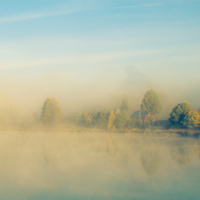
85	50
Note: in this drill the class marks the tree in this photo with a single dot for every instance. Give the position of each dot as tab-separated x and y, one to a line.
179	113
124	105
121	119
51	111
151	103
117	121
191	119
84	119
111	120
100	119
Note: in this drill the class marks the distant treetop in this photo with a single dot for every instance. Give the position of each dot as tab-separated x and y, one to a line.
51	111
151	103
124	104
184	116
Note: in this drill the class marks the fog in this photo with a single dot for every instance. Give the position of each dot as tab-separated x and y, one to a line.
23	95
93	164
72	73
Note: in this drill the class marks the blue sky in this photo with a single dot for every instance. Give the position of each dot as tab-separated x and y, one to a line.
100	46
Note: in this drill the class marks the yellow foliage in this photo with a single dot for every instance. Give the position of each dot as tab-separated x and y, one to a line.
111	120
117	111
88	120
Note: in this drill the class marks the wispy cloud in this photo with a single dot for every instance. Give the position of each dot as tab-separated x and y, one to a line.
27	16
64	10
69	60
136	6
68	9
53	10
161	3
82	60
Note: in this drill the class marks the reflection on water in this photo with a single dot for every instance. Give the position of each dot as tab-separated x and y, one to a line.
150	157
98	166
183	152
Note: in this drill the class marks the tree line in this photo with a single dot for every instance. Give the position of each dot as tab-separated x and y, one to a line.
182	115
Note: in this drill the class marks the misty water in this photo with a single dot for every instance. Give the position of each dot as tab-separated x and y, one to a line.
57	165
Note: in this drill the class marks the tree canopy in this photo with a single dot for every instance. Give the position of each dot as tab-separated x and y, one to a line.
121	118
124	107
151	103
51	111
84	119
100	119
191	119
179	113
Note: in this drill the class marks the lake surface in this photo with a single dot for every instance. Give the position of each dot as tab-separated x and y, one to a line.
96	166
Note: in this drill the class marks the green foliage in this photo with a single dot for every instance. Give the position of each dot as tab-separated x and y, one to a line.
179	113
100	119
191	119
121	119
132	123
151	103
124	107
51	111
84	120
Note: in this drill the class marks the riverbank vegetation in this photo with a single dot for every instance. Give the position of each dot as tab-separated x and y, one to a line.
119	118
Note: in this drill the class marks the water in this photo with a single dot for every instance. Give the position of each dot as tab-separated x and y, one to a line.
82	166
